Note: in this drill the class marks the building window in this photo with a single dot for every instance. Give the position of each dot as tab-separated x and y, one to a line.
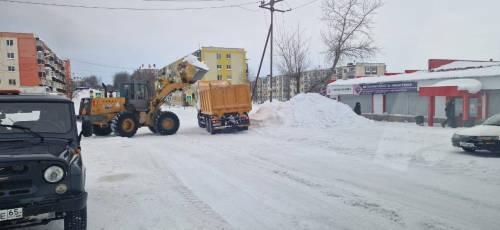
10	42
12	82
10	55
345	70
228	67
219	77
219	56
228	56
229	77
219	67
374	70
11	68
367	70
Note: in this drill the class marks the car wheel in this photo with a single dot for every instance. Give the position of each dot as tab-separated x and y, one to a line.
469	150
76	220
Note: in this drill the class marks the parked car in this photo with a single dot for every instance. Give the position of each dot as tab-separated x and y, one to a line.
480	137
42	176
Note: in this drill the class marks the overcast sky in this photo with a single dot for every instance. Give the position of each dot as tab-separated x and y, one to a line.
410	31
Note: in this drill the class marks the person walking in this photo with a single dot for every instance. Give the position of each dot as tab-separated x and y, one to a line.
357	108
450	114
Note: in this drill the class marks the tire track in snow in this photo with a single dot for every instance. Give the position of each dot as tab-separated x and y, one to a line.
271	167
201	215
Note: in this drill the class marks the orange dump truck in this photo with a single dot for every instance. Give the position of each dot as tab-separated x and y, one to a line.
222	105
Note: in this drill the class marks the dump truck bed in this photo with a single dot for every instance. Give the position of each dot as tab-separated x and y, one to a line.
217	98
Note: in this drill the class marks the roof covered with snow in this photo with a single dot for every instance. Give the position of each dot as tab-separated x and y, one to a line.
465	64
471	85
424	75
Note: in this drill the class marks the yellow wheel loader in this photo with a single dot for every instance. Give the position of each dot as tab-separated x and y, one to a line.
133	108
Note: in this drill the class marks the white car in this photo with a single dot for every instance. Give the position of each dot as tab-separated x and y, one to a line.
480	137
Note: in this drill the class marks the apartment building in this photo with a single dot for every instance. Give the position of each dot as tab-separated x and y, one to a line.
284	87
355	70
26	60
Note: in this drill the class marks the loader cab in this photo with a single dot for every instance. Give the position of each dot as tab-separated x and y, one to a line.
136	95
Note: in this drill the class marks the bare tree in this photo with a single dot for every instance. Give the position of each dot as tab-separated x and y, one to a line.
92	80
145	76
349	35
292	48
121	77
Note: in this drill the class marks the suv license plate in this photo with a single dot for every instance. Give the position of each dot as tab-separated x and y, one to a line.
10	214
465	144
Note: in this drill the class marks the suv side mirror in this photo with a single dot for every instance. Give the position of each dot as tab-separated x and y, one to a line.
87	128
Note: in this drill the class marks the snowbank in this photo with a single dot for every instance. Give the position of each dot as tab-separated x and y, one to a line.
471	85
308	111
79	95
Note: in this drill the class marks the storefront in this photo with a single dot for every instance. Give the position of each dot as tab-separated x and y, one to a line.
466	95
426	94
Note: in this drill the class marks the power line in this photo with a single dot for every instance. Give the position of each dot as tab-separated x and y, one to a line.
130	8
91	63
303	5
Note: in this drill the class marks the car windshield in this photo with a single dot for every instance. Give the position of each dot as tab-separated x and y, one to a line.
38	117
495	120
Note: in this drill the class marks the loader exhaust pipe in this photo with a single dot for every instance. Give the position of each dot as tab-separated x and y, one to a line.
105	89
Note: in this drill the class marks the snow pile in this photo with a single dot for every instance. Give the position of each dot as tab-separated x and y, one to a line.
193	60
308	111
78	97
471	85
465	64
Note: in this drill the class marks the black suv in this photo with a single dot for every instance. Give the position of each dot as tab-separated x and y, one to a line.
42	177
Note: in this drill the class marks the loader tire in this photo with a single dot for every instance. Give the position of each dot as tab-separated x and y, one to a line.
167	123
152	129
101	131
125	124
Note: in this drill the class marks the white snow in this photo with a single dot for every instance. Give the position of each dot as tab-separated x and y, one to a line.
424	75
471	85
308	111
282	176
466	64
193	60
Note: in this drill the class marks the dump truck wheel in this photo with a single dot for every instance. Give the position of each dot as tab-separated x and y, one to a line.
207	122
167	123
210	127
200	123
152	129
101	131
125	124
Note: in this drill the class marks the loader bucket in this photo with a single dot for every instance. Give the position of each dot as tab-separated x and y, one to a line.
199	74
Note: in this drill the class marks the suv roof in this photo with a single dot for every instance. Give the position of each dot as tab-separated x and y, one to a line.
33	97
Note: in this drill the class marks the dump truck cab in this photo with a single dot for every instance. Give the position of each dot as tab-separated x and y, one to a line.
42	176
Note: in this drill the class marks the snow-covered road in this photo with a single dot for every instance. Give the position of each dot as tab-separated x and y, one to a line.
382	176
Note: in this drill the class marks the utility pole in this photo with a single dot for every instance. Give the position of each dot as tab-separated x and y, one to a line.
270	6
